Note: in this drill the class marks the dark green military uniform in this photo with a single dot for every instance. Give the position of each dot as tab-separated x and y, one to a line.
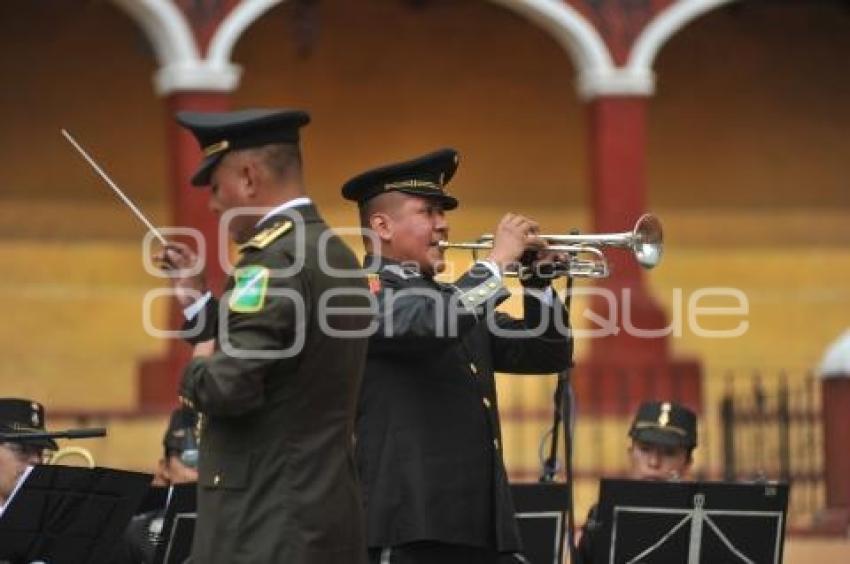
277	480
428	436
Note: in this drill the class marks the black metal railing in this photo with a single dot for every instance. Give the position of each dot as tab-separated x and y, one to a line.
771	430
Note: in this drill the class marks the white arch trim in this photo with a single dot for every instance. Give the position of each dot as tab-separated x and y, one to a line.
181	67
199	76
166	28
663	27
234	25
569	28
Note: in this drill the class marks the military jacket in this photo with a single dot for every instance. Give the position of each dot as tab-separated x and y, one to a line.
428	437
277	479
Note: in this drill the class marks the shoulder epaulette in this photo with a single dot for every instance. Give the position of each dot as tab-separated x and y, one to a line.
268	235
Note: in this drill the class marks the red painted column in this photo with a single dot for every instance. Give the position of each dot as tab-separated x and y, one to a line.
618	179
624	369
159	377
835	395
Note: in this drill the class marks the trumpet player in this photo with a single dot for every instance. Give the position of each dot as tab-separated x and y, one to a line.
429	449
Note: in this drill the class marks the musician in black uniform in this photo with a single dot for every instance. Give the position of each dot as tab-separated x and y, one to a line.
428	440
663	438
17	458
179	465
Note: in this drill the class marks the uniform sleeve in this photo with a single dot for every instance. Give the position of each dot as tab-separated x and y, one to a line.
203	326
540	343
416	318
262	324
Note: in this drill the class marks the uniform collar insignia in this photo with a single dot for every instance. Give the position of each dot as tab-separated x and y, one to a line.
404	271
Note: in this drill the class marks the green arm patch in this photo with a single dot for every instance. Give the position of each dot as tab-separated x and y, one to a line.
249	291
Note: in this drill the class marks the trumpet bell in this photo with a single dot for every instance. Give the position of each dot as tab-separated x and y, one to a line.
648	245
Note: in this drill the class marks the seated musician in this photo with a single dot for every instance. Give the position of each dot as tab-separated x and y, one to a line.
177	466
663	438
19	455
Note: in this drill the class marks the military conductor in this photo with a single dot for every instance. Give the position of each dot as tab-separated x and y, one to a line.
276	394
428	439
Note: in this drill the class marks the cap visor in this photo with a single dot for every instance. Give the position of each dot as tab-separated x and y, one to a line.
203	175
42	443
449	203
659	437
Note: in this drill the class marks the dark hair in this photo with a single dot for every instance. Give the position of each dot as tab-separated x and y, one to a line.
25	451
282	159
365	211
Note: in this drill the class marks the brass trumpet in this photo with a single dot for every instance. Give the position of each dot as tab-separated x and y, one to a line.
645	241
81	456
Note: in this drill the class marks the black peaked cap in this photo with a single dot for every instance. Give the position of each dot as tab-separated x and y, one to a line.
665	423
425	176
24	416
220	132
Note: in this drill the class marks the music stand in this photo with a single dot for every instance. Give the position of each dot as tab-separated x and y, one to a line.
692	522
155	499
178	526
541	511
64	514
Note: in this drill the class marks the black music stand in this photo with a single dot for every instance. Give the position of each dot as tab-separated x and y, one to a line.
691	522
64	514
178	527
155	499
541	511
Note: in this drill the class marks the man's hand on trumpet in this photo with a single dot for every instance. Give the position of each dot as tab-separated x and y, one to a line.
514	235
539	267
518	247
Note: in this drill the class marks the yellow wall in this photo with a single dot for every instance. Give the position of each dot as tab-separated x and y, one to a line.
83	66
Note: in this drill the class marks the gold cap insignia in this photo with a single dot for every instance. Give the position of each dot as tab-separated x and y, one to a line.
215	148
664	416
412	184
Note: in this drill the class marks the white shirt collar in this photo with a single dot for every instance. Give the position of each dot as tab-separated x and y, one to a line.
300	201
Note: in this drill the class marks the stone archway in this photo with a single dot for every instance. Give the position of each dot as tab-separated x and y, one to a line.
180	64
569	29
